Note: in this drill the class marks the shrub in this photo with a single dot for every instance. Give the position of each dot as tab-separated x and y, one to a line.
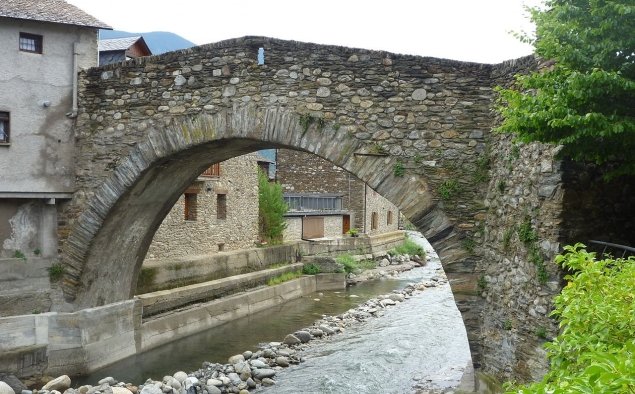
271	210
449	189
595	350
408	247
348	262
56	271
18	254
310	269
398	169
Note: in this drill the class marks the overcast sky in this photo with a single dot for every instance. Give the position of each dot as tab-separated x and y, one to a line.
470	30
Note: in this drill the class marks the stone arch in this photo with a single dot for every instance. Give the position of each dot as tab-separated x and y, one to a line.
104	251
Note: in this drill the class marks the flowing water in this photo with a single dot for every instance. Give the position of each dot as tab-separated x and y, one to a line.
421	341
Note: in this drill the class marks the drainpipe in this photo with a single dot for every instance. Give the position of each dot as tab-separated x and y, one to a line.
74	109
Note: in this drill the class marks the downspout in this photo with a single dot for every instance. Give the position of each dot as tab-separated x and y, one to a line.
74	109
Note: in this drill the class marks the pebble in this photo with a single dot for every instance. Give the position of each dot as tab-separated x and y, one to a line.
5	388
60	383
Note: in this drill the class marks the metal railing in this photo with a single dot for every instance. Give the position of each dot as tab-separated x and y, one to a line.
625	250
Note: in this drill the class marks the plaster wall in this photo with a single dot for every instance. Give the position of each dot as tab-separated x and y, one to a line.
40	155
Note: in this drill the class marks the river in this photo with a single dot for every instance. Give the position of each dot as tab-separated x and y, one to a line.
421	343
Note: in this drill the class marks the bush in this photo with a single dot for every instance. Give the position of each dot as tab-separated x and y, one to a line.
595	350
56	271
310	269
408	247
271	210
348	262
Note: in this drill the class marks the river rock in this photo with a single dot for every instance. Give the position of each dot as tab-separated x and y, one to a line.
282	361
110	380
286	352
152	389
268	382
387	302
396	297
247	355
264	373
60	383
13	382
120	390
213	390
291	339
259	363
384	262
316	332
251	383
269	353
327	330
190	381
242	367
236	359
180	376
214	382
303	336
172	382
5	388
234	378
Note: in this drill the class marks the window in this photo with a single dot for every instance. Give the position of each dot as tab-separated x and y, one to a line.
30	43
374	221
212	172
313	203
4	127
389	218
190	206
221	206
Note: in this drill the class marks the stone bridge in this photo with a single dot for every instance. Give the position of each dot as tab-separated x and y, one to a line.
416	129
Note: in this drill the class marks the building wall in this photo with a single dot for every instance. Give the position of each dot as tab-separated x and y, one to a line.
301	172
332	227
177	237
376	203
40	155
293	232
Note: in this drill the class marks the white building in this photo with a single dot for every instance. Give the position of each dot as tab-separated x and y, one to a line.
43	44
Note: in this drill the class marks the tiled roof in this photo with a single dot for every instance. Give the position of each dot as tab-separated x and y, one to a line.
117	44
56	11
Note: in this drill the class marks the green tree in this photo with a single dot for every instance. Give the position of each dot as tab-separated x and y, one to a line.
271	209
586	99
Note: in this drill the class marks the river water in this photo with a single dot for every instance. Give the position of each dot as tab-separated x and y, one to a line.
419	343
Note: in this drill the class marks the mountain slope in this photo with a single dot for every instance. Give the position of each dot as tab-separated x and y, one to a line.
158	41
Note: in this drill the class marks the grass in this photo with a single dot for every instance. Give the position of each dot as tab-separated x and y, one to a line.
348	262
449	189
287	276
398	169
407	247
19	255
56	271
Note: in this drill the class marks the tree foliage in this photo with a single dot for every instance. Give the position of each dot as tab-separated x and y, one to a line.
595	350
271	209
586	99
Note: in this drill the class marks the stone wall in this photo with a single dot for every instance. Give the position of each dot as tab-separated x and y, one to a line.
301	172
375	203
293	231
238	181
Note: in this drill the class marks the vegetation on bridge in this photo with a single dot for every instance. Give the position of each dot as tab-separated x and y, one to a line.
586	99
595	350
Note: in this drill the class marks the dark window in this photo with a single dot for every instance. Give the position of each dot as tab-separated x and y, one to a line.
221	206
374	221
389	218
30	43
190	206
313	203
4	127
212	172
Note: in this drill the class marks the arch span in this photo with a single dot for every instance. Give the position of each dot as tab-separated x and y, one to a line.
146	128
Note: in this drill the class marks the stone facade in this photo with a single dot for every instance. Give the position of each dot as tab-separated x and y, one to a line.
387	215
301	172
238	181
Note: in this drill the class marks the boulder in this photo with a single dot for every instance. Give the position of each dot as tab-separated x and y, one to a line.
13	382
291	339
120	390
60	383
264	373
5	388
236	359
303	336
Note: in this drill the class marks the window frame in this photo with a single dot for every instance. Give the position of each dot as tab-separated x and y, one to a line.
212	171
5	117
38	43
374	221
388	218
221	209
190	207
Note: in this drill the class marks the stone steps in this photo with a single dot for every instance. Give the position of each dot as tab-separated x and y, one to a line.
166	300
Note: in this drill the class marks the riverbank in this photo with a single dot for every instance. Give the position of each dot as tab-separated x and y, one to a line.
250	370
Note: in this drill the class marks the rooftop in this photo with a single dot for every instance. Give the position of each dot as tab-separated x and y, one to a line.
55	11
118	44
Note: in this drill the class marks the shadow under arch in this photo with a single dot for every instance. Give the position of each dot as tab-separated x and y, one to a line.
108	241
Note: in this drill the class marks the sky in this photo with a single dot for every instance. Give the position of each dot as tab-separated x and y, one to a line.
469	30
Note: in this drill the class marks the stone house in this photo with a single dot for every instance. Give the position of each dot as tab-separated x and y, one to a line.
327	201
43	44
115	50
218	212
